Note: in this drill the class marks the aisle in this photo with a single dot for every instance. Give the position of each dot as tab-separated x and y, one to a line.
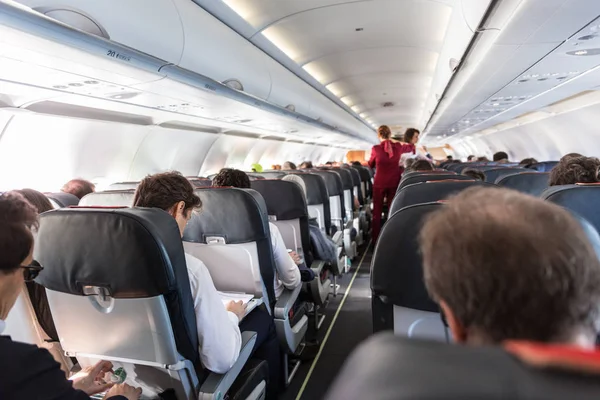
352	325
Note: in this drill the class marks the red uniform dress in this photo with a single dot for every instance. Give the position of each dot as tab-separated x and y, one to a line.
385	158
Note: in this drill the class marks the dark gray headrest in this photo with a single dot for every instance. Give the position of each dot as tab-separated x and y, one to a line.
533	183
407	175
411	180
386	367
491	175
124	186
63	199
581	199
365	175
544	166
346	176
333	182
316	191
237	215
200	182
284	200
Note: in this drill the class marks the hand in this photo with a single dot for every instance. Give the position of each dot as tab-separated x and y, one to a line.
295	257
89	380
124	390
237	307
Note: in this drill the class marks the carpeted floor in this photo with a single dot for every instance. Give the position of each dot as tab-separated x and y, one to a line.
351	327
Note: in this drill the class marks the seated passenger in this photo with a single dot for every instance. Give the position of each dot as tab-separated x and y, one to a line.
568	156
421	165
37	199
357	163
507	266
471	159
79	187
30	372
575	170
288	165
257	168
407	160
218	332
482	159
287	273
306	165
500	157
474	173
527	162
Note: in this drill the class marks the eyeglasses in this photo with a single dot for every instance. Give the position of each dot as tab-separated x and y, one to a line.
31	271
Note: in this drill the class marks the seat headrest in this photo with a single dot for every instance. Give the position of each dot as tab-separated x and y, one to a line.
428	192
270	174
492	174
407	175
544	166
124	186
116	198
63	199
581	199
365	175
533	183
316	191
355	175
200	182
333	182
410	180
131	252
389	367
400	279
284	200
240	213
346	176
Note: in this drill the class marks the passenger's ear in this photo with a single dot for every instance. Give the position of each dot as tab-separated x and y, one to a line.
459	333
177	209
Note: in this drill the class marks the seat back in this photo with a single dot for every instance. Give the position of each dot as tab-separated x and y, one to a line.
409	174
231	236
411	180
118	287
544	166
366	182
399	299
198	182
533	183
287	209
493	174
115	198
417	369
61	199
430	191
581	199
356	183
335	191
317	200
124	186
348	186
270	174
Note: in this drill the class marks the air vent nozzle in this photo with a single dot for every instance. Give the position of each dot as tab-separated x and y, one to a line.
388	104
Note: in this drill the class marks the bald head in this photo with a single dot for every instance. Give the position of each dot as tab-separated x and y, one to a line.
511	266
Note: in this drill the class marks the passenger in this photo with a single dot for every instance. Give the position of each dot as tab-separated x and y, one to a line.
79	187
306	165
287	273
276	167
575	170
421	165
329	164
568	156
471	159
357	163
385	157
257	168
449	158
485	252
37	199
527	162
288	165
474	173
483	159
500	157
30	372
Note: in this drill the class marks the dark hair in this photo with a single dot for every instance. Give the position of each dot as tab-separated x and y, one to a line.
164	191
17	218
568	156
231	177
384	132
482	256
330	163
410	134
357	163
37	199
474	173
471	158
499	156
79	187
421	165
306	165
449	158
483	159
528	162
575	170
289	165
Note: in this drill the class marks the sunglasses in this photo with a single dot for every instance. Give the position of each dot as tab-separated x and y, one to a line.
31	271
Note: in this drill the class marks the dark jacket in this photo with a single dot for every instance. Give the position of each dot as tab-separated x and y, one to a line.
29	372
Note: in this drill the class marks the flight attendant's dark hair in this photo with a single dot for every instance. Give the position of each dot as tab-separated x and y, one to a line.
384	132
409	134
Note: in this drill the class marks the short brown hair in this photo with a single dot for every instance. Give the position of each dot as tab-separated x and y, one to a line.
384	132
421	165
37	199
231	177
164	191
474	173
575	170
17	218
79	187
511	266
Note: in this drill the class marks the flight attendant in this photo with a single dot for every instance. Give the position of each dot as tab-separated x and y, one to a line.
385	158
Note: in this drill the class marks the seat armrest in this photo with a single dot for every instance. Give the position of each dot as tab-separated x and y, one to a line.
317	266
338	238
286	301
216	385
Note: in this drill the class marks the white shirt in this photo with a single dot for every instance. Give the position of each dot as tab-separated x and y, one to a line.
286	271
219	336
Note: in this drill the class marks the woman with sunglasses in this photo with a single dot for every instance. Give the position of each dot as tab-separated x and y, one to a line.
29	372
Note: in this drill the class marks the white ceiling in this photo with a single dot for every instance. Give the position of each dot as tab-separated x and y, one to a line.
365	52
